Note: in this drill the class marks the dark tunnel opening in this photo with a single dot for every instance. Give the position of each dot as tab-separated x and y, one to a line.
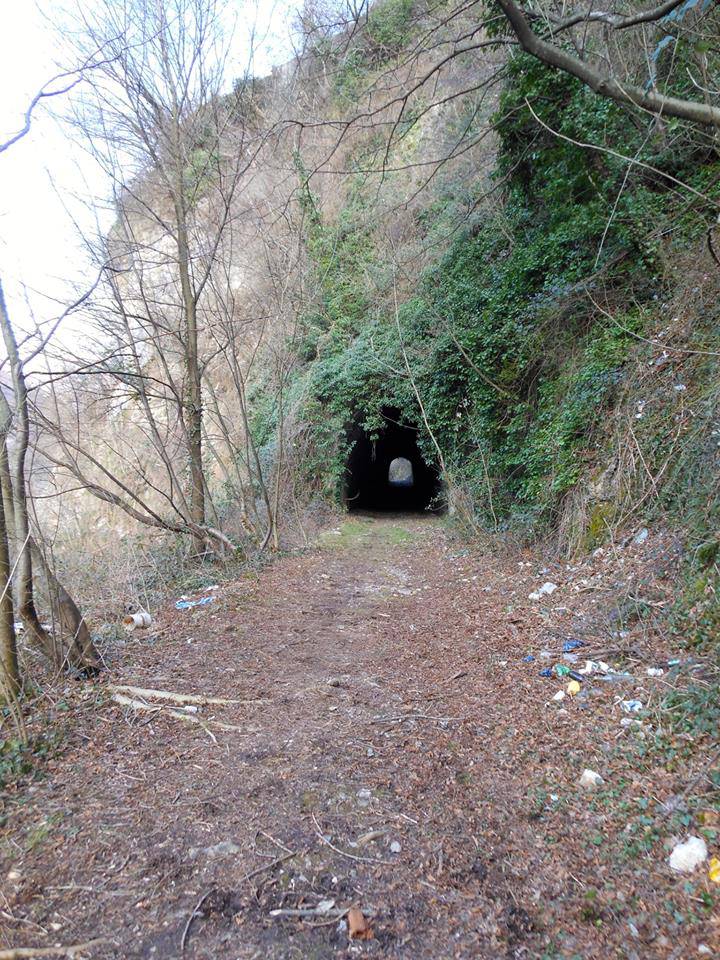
389	473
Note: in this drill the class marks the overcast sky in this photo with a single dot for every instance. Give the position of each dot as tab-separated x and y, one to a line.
46	178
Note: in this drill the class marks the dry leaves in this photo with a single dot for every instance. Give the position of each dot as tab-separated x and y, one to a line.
358	927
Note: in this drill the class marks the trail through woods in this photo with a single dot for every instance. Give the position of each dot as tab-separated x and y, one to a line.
389	751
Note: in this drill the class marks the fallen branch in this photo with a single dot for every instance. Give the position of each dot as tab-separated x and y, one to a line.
416	716
139	705
195	913
268	866
336	912
174	697
344	853
16	953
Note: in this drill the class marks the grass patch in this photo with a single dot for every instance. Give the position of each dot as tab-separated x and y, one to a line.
363	532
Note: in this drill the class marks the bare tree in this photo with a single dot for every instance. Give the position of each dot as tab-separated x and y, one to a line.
81	652
16	478
179	150
9	668
14	520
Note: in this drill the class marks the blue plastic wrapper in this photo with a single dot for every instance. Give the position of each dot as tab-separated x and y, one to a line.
188	604
571	645
528	659
547	672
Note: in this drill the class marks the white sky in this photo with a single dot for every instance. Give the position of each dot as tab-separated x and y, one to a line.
45	178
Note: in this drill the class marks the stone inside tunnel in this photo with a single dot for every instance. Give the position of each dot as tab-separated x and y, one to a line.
389	473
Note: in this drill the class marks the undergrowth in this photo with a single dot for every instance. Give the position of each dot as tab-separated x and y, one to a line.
526	331
563	341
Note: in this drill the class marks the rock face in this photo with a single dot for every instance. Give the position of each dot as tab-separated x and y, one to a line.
400	473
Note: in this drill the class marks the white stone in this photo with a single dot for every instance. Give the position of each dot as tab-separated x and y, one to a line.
544	591
590	780
688	855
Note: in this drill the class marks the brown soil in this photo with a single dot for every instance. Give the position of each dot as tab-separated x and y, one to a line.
386	695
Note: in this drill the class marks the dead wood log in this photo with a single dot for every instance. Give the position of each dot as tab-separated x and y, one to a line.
178	714
169	695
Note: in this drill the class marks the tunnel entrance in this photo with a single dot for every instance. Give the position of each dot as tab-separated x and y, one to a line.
389	473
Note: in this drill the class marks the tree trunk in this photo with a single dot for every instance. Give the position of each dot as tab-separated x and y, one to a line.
9	669
603	83
81	653
279	458
5	479
24	573
193	404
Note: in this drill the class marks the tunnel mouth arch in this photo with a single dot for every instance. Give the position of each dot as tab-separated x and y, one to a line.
388	473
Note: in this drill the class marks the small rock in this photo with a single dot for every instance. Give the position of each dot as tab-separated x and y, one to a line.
688	855
395	847
369	837
544	591
324	907
590	780
225	848
631	706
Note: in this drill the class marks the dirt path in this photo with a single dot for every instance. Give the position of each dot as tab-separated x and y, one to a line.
393	753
